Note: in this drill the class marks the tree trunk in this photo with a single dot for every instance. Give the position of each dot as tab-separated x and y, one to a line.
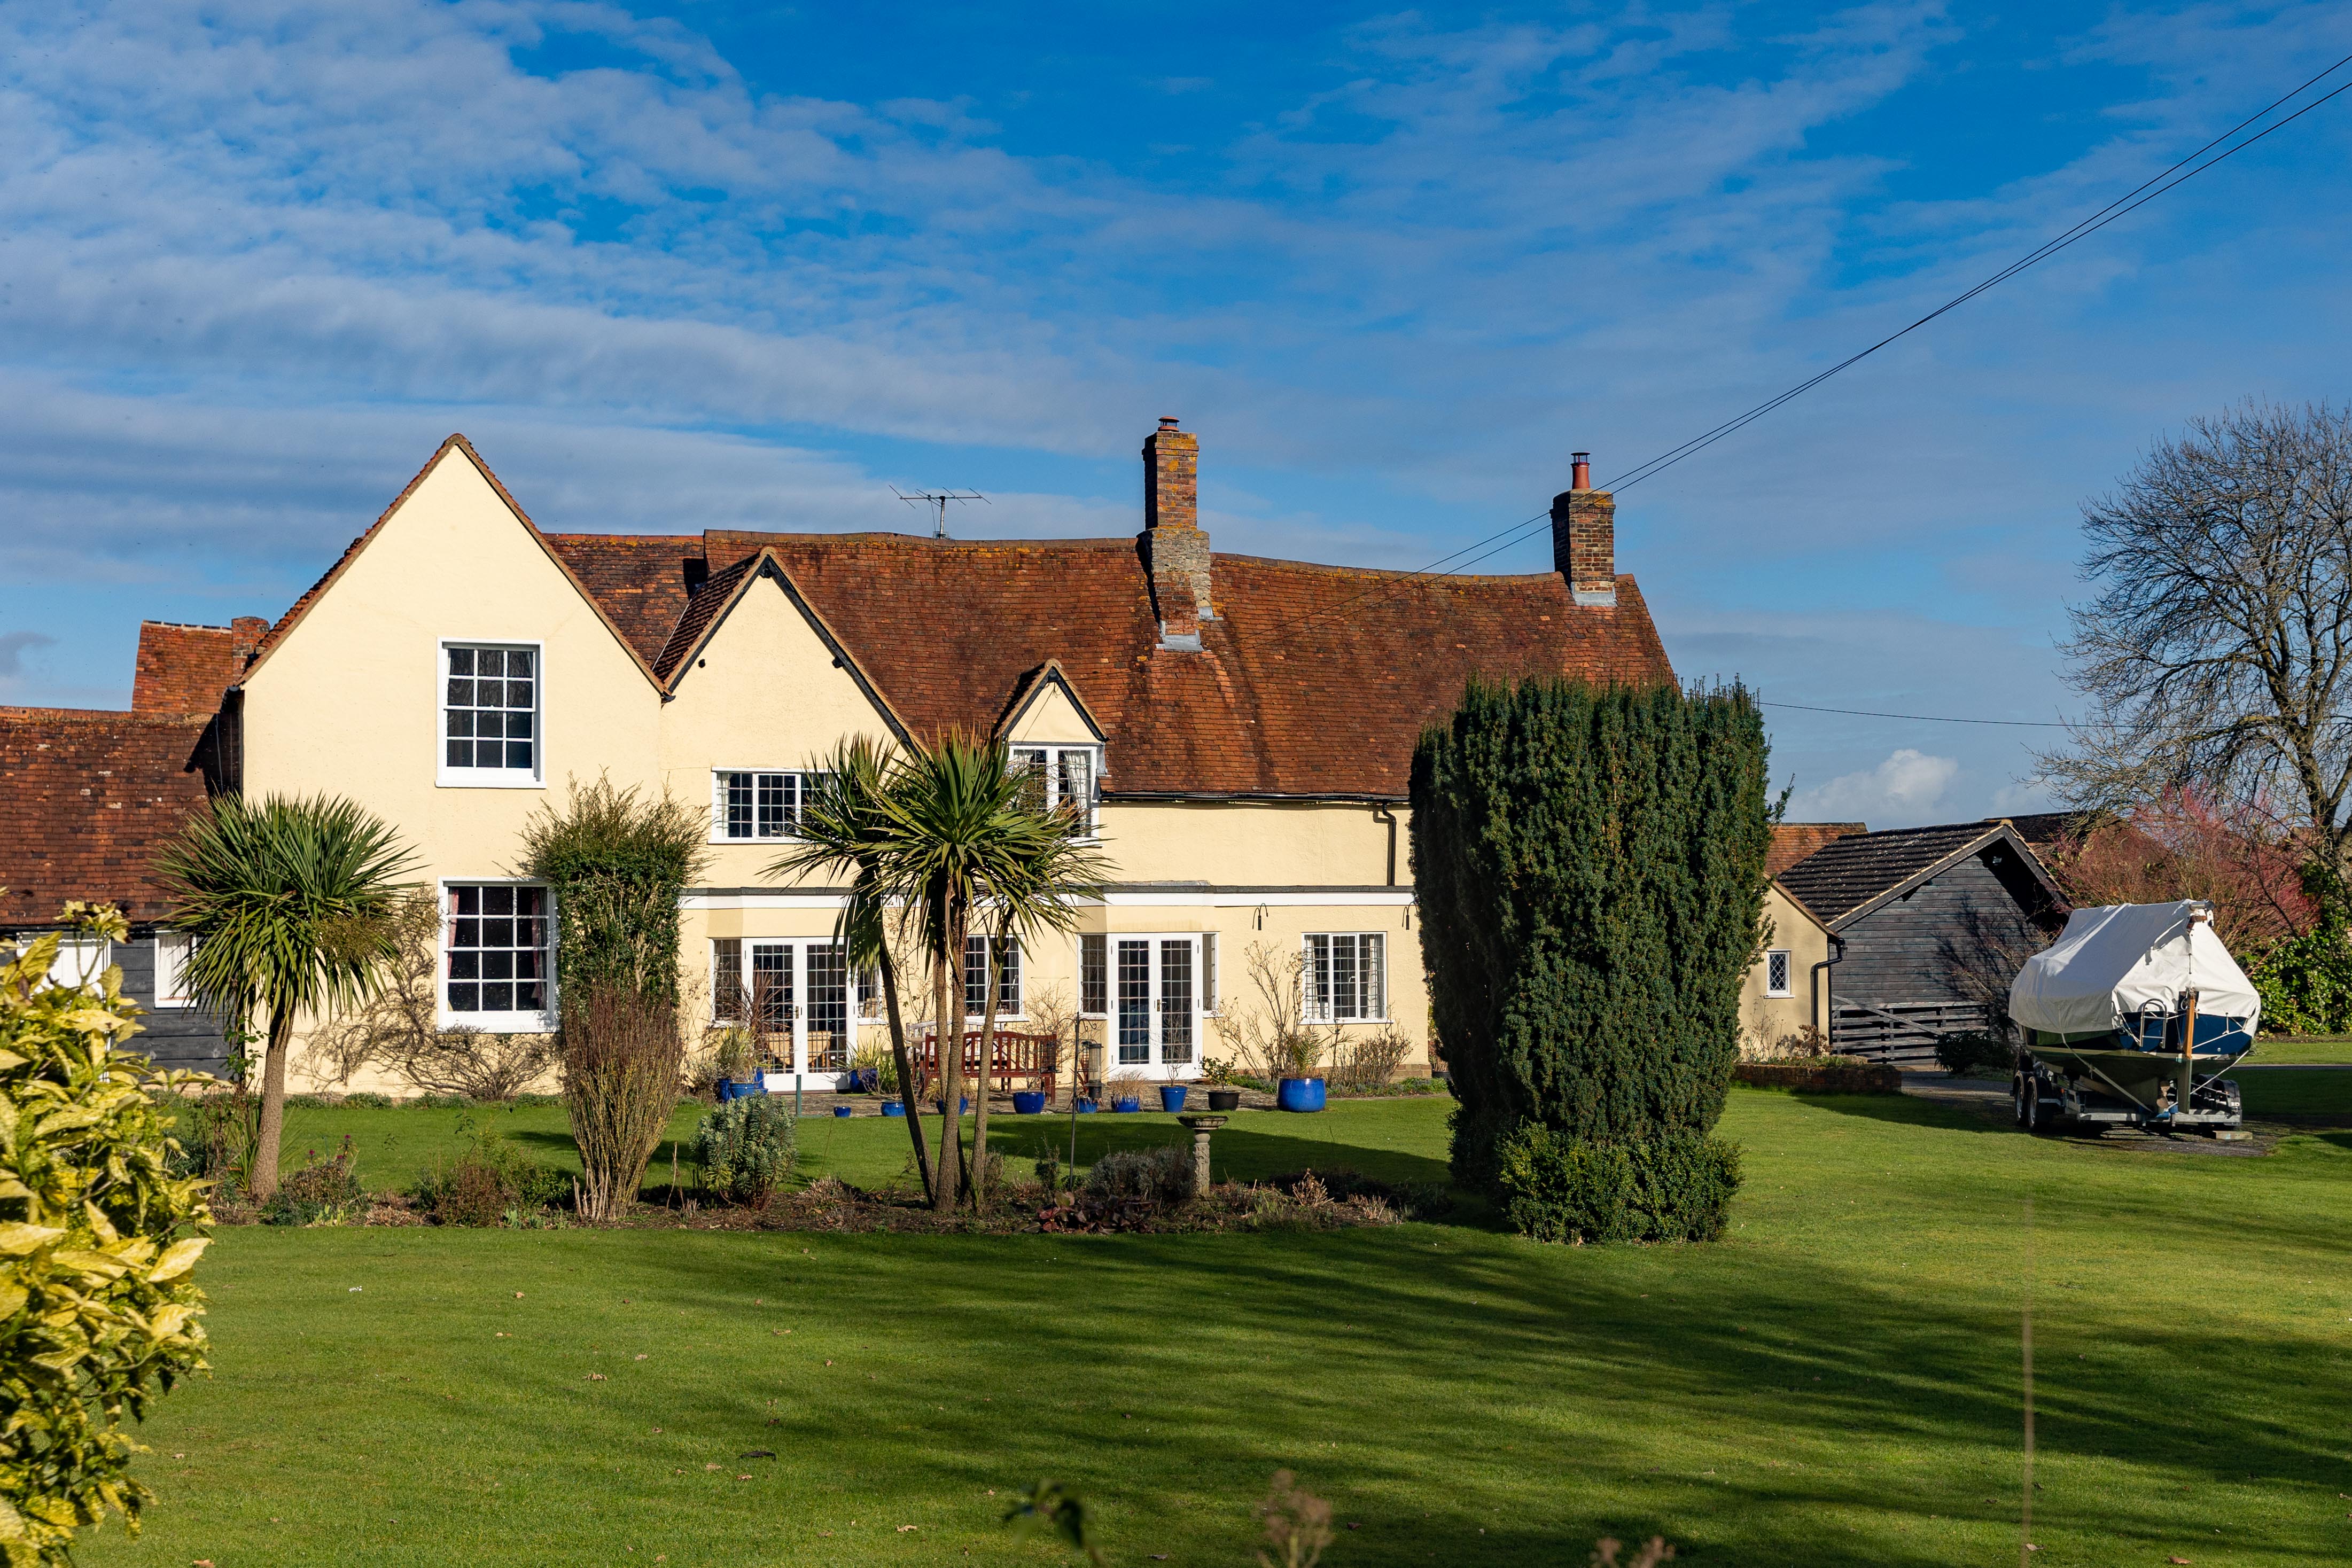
908	1088
263	1183
947	1030
979	1098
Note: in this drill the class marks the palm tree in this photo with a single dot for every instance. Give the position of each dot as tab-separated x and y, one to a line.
289	905
844	827
964	840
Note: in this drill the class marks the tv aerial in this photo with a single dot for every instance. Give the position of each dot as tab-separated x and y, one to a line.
938	500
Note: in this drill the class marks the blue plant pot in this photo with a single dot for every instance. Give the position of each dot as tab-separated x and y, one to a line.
1126	1103
1027	1102
893	1107
865	1079
841	1111
1172	1096
1087	1107
737	1088
1298	1094
964	1105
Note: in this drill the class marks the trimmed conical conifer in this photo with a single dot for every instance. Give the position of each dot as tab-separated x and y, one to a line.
1589	867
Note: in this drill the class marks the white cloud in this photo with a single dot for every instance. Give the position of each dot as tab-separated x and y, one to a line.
1901	792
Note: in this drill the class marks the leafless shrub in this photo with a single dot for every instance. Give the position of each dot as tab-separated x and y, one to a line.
1366	1064
1650	1552
1266	1026
621	1058
465	1060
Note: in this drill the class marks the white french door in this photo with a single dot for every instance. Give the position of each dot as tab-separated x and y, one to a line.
1156	1015
805	990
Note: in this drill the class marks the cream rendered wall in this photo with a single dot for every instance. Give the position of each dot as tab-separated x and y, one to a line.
1050	719
348	702
1764	1020
764	693
1253	843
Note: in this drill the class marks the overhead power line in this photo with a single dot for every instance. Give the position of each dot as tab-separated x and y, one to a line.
1922	717
2130	201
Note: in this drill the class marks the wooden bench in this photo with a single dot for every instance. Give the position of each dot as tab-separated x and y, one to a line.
1029	1061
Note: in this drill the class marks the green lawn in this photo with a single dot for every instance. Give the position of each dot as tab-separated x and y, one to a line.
1836	1385
2293	1093
2304	1052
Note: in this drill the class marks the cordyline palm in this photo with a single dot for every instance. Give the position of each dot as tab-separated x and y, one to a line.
843	828
288	905
964	841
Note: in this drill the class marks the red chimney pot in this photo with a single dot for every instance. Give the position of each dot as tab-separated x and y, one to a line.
1580	471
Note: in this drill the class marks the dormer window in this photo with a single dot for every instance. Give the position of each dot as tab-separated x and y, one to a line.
748	805
1061	778
491	714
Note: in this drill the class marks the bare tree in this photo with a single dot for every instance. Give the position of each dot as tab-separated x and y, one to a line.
2218	652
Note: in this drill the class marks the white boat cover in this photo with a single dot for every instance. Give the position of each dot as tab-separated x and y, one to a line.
2110	961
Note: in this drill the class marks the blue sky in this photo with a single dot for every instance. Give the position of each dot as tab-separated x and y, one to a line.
748	267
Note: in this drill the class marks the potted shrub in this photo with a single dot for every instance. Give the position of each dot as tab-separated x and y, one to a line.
1126	1102
738	1065
1222	1095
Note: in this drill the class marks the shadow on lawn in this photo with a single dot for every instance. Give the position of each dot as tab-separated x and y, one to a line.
1540	1385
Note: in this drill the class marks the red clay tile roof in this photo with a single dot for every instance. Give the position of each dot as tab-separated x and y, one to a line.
85	797
1792	842
1312	680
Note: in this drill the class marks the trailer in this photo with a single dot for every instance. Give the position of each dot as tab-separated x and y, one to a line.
2130	1020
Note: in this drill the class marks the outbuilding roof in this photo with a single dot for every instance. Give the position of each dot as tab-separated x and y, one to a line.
84	799
1851	876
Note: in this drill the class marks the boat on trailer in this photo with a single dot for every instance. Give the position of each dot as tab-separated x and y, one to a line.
2130	1020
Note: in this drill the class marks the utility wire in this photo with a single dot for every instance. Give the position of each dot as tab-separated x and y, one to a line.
2131	201
1922	717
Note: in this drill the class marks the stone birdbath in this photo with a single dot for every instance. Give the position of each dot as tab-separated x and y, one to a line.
1201	1128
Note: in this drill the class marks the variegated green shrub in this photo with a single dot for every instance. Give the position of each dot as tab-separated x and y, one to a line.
98	1311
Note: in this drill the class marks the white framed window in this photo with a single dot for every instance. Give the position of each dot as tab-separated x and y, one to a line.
1062	779
1008	978
751	804
1776	969
497	947
1346	977
491	704
1093	976
1209	972
79	960
172	948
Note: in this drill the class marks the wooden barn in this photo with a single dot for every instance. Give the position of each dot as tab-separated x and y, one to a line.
1929	923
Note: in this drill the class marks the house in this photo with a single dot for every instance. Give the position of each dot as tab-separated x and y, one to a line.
1783	995
1930	925
1237	731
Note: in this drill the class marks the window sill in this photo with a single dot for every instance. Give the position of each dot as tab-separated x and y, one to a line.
501	1023
722	840
447	780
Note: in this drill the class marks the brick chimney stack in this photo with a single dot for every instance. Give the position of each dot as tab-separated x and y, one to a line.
1584	536
246	633
1175	551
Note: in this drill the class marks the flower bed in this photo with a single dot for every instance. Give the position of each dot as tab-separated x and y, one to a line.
1821	1078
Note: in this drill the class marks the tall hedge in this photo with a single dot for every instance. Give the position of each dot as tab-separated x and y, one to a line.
1590	866
616	862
